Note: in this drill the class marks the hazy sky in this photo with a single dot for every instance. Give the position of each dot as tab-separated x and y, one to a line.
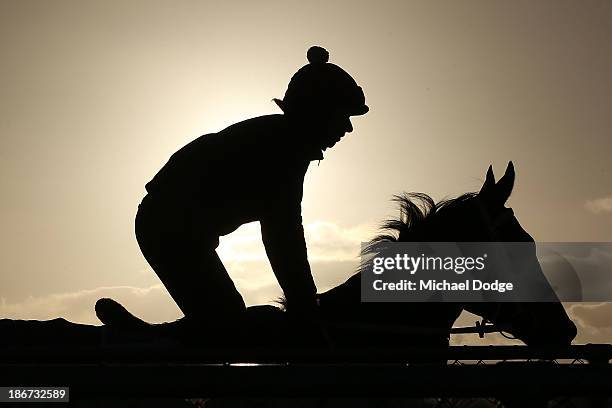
96	95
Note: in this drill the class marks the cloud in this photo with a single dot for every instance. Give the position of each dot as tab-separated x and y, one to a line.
242	245
600	205
330	242
333	253
593	320
258	285
326	241
151	303
254	280
592	316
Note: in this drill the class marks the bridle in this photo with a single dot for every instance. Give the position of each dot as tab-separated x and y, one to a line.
494	234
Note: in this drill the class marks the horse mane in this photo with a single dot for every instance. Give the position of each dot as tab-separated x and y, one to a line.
415	210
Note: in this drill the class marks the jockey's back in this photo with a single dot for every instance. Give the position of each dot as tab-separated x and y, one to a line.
252	170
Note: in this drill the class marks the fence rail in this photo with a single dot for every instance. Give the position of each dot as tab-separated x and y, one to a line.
190	373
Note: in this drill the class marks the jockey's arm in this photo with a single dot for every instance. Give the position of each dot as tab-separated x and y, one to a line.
283	238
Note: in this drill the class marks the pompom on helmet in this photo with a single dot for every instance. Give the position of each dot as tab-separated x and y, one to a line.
320	87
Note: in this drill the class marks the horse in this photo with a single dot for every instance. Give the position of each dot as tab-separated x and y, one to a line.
471	217
346	320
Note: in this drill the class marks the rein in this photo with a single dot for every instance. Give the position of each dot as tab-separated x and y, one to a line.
480	328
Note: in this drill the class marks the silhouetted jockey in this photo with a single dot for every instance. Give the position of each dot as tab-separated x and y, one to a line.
251	171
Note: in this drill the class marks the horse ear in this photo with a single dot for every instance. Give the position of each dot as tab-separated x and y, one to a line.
489	181
504	186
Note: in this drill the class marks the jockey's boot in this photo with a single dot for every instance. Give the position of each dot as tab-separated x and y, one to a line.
115	316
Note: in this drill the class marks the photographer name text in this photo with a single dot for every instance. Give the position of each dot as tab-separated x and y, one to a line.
432	285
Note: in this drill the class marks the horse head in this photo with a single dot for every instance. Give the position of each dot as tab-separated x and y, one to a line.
535	323
472	217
